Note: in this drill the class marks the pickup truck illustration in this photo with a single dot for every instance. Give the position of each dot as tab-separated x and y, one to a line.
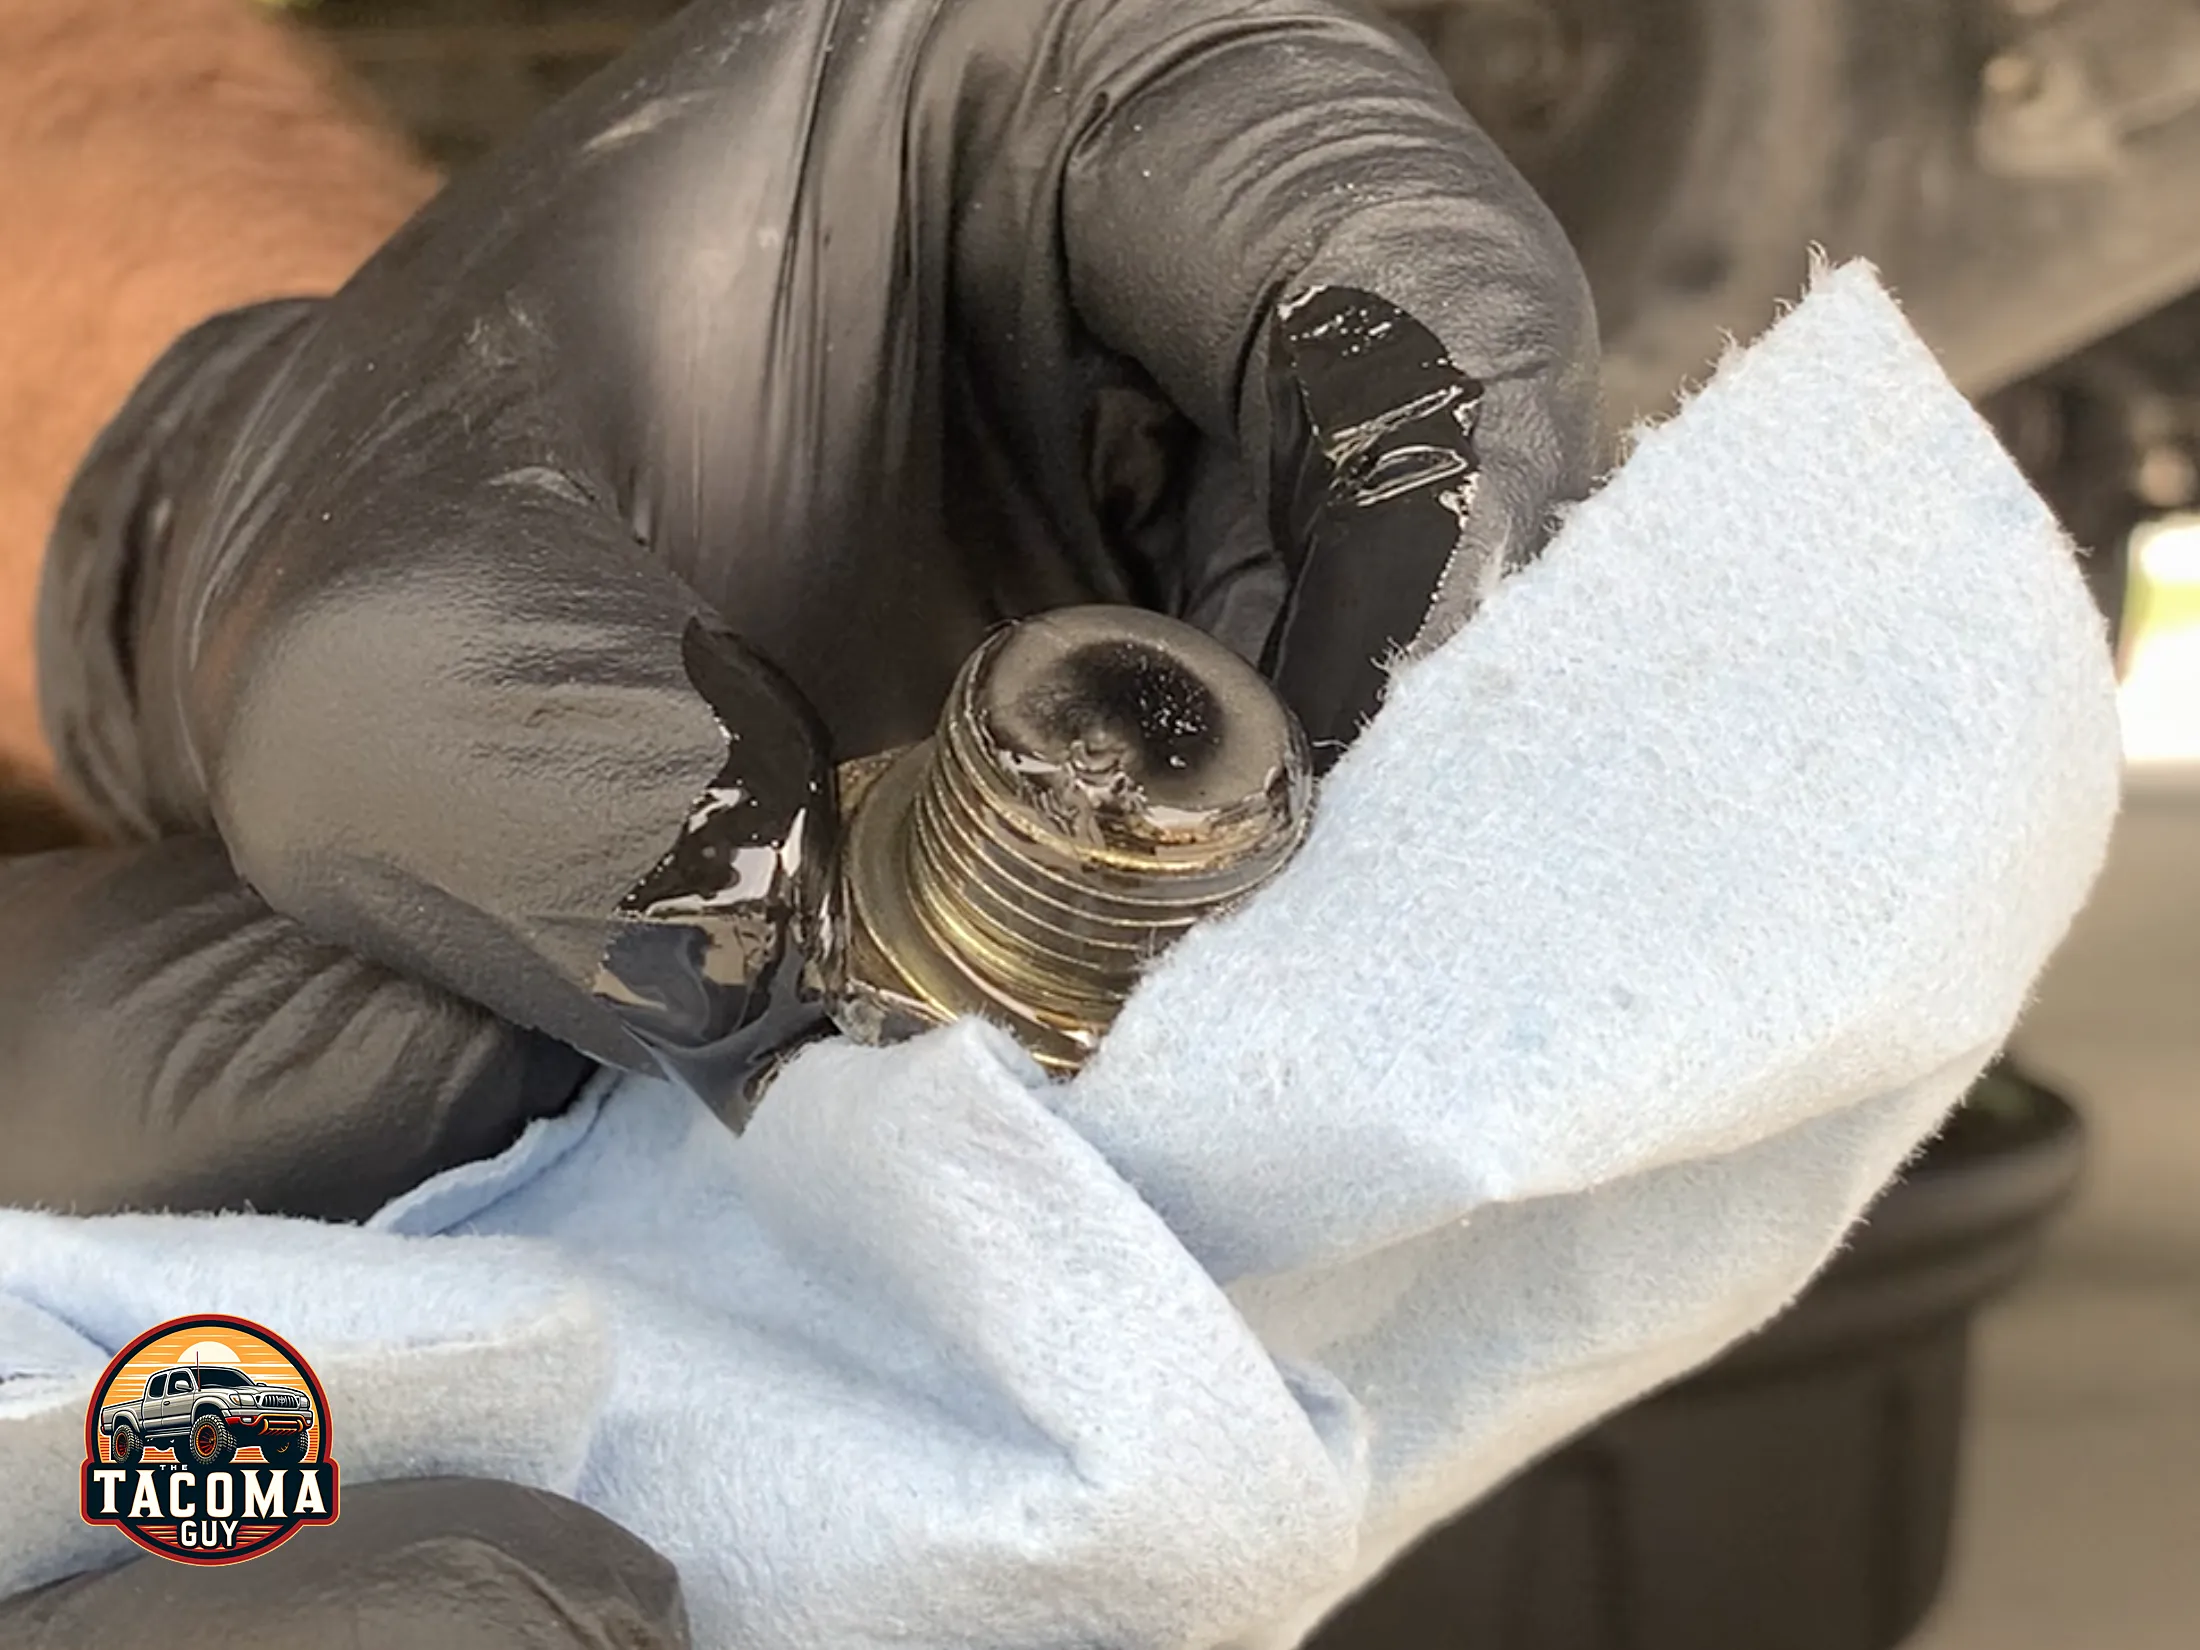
205	1413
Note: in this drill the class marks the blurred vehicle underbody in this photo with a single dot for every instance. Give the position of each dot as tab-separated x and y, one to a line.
2026	173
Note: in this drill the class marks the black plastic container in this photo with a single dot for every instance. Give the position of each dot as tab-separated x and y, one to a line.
1798	1494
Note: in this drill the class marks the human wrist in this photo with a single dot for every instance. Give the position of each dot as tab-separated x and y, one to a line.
158	164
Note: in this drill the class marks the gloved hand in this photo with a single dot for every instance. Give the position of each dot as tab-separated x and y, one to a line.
460	661
425	1563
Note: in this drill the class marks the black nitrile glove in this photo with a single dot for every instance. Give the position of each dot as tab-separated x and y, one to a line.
498	620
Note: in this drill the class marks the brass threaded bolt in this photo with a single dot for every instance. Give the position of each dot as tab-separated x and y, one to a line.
1101	779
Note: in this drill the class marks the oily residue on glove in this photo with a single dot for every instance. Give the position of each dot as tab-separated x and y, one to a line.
1375	463
706	963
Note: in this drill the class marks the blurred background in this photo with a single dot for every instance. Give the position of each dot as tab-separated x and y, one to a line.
1888	1468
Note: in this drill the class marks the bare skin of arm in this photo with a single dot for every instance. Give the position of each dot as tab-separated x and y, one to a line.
160	161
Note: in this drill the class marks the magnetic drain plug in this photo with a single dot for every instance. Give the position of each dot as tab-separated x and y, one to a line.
1101	779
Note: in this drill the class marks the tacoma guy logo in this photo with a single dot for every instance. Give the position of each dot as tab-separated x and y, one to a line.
206	1441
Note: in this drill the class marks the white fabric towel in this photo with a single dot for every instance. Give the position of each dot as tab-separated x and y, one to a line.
1656	919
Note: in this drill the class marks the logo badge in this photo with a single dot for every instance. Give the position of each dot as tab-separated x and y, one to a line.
207	1441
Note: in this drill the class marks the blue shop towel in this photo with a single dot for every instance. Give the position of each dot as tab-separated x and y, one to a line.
1656	919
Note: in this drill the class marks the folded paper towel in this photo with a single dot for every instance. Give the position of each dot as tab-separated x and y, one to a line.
1654	921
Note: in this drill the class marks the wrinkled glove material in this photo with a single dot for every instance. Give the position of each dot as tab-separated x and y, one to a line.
1650	926
431	652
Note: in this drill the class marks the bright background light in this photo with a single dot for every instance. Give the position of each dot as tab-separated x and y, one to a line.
2160	698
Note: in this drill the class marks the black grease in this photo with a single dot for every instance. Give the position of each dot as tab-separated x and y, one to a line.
706	963
1132	700
1126	726
1374	472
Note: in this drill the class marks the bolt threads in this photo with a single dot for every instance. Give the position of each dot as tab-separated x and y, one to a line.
1063	925
1101	781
